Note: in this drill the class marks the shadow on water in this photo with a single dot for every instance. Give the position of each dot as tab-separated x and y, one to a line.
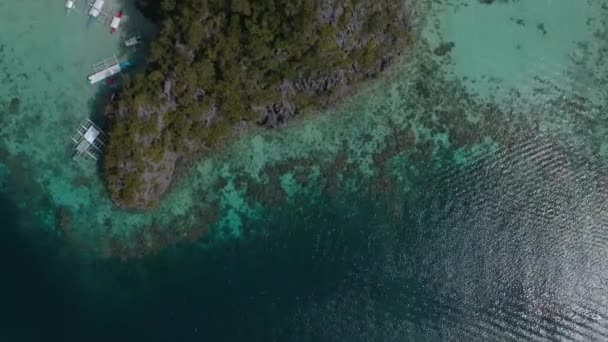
136	25
98	105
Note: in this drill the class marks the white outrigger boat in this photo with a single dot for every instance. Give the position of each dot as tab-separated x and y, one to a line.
88	140
69	5
107	69
133	41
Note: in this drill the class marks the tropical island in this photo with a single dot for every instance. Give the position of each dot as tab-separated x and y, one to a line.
218	67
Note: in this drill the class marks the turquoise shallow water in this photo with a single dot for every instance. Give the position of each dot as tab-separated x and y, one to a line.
461	198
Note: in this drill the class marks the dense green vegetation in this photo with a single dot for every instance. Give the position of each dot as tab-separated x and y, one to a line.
218	63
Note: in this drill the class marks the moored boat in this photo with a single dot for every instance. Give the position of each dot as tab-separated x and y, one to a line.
115	22
133	41
69	4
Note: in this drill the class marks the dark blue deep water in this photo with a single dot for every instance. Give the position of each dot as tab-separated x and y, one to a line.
496	250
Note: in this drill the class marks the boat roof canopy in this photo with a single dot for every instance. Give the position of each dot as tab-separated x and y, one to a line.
91	134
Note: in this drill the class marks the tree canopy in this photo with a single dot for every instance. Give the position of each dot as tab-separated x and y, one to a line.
218	63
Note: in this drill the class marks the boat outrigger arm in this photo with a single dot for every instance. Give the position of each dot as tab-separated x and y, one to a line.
96	8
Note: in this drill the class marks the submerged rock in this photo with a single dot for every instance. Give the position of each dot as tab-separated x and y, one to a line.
444	49
15	105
